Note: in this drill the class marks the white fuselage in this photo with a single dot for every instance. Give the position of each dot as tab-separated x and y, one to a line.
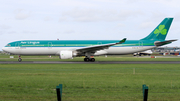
56	50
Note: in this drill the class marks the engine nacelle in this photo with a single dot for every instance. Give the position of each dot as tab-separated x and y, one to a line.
66	54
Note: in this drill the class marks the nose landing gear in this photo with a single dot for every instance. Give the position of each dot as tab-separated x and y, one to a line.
19	59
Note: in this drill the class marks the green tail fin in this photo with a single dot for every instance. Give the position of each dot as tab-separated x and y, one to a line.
160	32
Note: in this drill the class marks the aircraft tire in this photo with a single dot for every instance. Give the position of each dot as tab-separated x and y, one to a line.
86	59
92	59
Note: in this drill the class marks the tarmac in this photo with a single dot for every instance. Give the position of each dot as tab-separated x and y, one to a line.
97	62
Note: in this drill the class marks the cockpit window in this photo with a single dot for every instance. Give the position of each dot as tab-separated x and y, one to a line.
8	45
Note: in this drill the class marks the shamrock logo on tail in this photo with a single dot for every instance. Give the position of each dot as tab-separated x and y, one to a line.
161	30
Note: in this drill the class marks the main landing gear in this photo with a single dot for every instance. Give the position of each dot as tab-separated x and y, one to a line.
19	59
89	59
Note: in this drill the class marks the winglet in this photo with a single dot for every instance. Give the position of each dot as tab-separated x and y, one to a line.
122	41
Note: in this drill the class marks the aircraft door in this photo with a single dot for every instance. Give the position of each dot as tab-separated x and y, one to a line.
17	45
140	44
99	43
50	45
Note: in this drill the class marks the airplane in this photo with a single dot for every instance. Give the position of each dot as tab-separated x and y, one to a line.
67	49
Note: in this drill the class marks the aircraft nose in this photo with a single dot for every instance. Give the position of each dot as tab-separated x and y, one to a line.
3	49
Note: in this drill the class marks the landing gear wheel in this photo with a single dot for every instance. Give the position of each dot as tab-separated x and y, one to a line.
89	59
92	59
86	59
19	59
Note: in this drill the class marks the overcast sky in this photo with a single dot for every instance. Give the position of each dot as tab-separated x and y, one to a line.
85	19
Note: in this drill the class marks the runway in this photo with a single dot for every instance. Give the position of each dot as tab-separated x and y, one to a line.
97	62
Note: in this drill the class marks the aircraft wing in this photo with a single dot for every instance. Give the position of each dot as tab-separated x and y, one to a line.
99	47
157	43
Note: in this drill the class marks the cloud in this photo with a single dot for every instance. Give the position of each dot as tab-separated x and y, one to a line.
167	3
92	15
147	25
63	18
121	25
158	15
7	32
21	14
29	32
69	32
5	27
12	32
73	3
1	32
47	18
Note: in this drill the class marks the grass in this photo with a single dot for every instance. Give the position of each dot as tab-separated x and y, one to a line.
89	82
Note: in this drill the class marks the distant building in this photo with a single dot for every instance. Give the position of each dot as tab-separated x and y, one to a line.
166	49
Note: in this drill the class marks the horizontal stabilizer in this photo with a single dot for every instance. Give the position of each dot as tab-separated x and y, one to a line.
158	43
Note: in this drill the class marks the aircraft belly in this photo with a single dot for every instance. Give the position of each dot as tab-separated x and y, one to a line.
42	51
35	50
127	50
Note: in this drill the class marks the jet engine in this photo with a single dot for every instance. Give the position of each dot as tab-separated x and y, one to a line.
66	54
